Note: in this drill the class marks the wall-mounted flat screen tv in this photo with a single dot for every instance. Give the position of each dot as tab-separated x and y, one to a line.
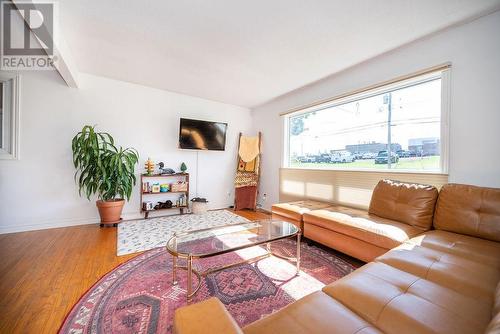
202	135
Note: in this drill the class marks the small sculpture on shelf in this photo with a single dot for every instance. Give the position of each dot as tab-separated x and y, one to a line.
164	205
149	165
183	167
165	170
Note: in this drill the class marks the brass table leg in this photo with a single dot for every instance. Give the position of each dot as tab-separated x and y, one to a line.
189	277
298	253
190	271
296	259
174	270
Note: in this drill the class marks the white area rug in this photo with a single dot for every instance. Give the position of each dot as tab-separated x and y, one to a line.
140	235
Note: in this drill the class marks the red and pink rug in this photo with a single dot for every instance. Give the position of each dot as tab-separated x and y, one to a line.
138	296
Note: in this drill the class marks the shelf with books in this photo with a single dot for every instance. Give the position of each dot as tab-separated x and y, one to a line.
164	192
180	185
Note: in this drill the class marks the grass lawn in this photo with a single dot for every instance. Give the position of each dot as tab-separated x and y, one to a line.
423	163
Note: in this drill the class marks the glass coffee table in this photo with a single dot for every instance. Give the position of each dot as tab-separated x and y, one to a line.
219	240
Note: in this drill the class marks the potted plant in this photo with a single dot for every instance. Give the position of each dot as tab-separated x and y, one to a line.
104	169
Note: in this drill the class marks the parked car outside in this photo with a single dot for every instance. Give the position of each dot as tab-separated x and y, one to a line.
403	153
312	158
358	155
325	158
382	158
369	155
342	157
306	159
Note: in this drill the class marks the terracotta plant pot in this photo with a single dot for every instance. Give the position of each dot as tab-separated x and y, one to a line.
110	211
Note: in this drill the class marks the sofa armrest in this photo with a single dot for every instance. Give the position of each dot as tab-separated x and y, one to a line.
208	316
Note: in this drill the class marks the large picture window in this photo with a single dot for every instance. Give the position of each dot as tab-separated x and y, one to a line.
401	126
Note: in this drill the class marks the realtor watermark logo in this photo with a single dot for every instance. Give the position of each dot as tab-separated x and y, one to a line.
27	38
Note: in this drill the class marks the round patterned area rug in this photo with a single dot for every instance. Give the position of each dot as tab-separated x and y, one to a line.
138	296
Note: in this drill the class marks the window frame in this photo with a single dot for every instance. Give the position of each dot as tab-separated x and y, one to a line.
11	131
444	74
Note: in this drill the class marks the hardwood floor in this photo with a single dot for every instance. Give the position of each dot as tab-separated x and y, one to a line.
44	273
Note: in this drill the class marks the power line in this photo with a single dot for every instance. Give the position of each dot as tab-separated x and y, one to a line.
413	121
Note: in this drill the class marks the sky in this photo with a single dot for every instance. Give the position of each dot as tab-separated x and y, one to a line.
416	113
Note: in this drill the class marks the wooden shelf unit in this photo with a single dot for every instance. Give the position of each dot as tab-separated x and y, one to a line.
160	176
165	192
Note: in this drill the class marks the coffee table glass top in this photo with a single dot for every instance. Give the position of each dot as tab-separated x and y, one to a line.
223	239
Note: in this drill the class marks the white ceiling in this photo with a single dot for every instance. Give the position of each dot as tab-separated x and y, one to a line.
245	52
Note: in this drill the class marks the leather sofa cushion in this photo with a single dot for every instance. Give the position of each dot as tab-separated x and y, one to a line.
475	249
409	203
315	313
494	326
295	210
359	249
496	306
398	302
469	210
468	277
384	233
208	316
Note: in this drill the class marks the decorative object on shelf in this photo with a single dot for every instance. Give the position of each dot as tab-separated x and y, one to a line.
164	205
179	186
199	205
148	206
155	188
247	178
182	201
183	167
149	165
164	187
165	170
104	169
146	188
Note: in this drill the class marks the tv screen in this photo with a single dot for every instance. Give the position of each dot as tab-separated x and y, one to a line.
202	135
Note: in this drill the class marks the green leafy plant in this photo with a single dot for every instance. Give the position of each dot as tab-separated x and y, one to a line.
101	167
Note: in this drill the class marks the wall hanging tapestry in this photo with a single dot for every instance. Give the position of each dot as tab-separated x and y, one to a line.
247	172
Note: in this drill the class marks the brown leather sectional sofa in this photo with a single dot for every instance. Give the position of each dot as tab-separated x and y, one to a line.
398	211
442	277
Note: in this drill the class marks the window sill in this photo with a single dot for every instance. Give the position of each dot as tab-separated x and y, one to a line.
367	170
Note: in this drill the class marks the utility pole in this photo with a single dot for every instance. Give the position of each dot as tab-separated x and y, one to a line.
388	101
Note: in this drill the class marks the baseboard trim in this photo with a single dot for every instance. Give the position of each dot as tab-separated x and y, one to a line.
264	210
47	225
68	222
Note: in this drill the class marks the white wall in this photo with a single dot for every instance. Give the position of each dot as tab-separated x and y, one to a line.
473	49
38	190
